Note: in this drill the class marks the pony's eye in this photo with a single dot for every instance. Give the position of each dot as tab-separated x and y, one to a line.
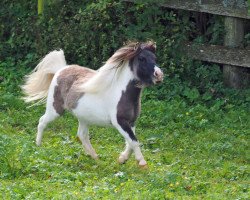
142	59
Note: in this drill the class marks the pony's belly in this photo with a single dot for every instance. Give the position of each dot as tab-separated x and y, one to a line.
93	110
95	118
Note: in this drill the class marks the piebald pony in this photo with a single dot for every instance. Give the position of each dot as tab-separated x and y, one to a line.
108	96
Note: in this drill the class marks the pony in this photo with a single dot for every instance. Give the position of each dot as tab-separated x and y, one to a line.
110	96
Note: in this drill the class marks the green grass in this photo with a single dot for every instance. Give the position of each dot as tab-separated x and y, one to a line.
193	152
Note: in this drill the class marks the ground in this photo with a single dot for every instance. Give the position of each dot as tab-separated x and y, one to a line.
193	152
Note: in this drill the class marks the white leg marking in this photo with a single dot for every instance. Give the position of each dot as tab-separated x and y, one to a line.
50	113
83	134
124	156
138	155
134	145
43	122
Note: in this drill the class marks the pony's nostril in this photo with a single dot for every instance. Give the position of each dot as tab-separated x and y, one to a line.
158	74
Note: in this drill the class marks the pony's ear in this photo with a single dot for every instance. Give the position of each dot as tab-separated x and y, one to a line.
151	46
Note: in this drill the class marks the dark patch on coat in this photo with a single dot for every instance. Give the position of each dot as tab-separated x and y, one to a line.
66	94
128	108
58	101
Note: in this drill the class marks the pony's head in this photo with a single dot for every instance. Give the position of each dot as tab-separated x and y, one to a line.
138	57
142	61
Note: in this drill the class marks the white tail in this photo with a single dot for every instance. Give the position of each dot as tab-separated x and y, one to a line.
37	83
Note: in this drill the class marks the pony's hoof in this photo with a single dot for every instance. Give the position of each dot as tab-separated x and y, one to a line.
143	164
122	159
95	157
38	143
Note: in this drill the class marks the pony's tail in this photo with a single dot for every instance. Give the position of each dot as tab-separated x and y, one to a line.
37	83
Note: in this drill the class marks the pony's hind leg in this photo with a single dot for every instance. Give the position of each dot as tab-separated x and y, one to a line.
83	135
43	122
54	109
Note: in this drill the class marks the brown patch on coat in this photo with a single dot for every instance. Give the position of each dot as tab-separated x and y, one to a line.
58	101
128	108
66	94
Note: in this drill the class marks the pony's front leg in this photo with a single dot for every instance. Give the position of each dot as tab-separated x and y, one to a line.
138	155
132	143
124	156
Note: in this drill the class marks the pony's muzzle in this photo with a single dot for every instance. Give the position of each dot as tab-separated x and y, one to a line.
158	74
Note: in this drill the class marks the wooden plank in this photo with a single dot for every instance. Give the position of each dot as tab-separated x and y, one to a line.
218	54
206	6
234	77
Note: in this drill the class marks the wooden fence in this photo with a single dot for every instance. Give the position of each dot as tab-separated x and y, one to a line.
236	61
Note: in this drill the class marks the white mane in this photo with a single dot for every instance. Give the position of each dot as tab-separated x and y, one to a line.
108	73
105	77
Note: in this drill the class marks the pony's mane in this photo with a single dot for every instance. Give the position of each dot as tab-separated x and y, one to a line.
130	50
114	66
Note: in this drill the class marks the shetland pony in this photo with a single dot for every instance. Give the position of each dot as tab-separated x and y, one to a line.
108	96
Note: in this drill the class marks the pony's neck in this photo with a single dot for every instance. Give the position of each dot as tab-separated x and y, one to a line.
132	91
129	85
124	74
110	76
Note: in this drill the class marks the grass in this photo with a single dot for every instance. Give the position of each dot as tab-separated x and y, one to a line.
193	152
